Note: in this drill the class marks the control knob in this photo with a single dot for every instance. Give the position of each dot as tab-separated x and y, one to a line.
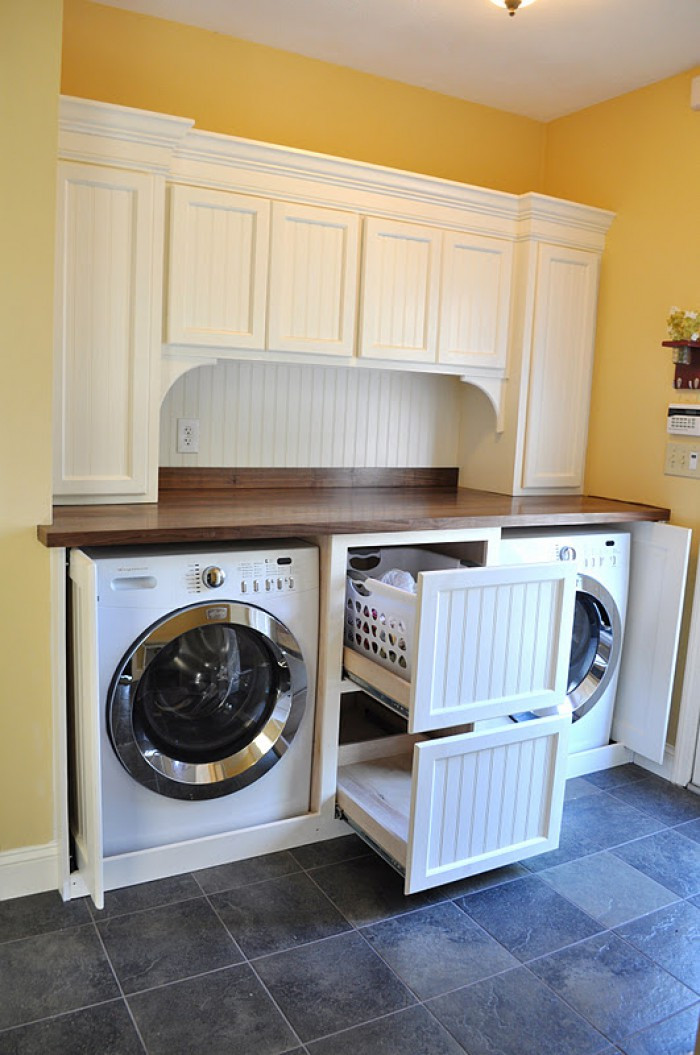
567	553
213	576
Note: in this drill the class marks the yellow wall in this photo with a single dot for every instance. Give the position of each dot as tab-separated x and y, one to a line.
232	86
30	42
638	155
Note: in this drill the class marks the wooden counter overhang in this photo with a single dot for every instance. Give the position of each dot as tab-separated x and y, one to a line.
221	505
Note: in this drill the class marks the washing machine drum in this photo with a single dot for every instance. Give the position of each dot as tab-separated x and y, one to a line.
207	700
595	645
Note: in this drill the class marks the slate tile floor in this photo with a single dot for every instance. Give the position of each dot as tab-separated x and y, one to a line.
593	949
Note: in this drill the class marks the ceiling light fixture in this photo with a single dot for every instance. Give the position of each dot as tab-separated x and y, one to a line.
511	5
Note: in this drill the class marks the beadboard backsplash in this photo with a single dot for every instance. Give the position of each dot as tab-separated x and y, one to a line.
267	414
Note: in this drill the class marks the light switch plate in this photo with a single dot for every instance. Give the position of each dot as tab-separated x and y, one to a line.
683	459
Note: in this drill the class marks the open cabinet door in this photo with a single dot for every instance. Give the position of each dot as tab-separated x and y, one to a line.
658	566
491	641
86	794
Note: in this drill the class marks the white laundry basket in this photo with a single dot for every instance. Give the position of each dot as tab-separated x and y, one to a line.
380	619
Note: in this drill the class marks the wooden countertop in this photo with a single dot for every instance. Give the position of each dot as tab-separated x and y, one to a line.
233	509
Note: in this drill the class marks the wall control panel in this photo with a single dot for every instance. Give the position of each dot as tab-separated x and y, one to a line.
683	419
683	459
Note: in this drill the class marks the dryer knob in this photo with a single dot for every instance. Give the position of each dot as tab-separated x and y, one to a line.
213	576
567	553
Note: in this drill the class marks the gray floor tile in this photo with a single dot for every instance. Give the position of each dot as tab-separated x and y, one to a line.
278	914
51	973
670	937
691	829
667	857
577	787
367	890
594	823
660	799
514	1014
224	1013
608	889
330	851
146	895
241	873
165	944
617	776
410	1032
106	1029
675	1036
615	987
528	917
437	949
23	916
332	985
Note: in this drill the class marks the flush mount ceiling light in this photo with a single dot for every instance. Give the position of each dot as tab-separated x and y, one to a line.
512	5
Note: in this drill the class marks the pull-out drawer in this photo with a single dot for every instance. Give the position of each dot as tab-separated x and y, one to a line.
452	807
478	642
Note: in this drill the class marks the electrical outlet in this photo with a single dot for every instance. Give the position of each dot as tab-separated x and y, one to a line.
187	435
683	459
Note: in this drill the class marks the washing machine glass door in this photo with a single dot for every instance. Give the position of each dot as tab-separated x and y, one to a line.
207	701
595	645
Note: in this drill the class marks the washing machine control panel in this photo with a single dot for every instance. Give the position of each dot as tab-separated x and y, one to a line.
248	577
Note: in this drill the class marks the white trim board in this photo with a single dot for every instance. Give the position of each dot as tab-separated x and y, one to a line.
28	870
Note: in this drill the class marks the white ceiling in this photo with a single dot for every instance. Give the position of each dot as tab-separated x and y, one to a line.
552	58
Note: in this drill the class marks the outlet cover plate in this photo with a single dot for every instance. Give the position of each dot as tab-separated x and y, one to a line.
187	435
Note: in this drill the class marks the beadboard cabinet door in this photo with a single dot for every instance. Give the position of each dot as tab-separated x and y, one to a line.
107	321
400	291
217	268
474	300
561	368
313	280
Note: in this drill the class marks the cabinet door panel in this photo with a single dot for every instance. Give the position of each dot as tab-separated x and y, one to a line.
485	799
107	308
400	291
475	300
561	368
490	641
313	280
217	268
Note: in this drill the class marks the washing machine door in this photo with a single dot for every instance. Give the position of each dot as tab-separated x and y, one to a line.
595	645
207	700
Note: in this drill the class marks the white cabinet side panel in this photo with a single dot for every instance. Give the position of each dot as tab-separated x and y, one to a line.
475	300
490	642
485	799
265	414
313	280
400	287
561	368
658	566
217	268
104	345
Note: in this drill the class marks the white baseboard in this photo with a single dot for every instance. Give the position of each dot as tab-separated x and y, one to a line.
596	758
29	870
663	769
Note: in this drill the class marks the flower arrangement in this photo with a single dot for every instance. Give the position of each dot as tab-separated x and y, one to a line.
683	325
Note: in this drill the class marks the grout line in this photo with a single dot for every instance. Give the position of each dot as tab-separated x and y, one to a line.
140	911
60	1014
121	990
46	933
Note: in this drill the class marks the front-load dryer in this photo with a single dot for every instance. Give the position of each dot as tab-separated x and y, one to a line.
602	564
207	672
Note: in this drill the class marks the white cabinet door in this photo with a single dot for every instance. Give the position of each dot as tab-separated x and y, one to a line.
658	566
400	290
561	368
313	280
463	804
107	347
217	268
475	300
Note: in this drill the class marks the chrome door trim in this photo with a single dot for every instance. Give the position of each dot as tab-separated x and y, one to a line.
173	777
587	693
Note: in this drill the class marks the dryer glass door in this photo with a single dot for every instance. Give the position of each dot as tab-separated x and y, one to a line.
207	701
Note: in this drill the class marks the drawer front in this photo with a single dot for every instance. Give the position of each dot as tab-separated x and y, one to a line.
485	799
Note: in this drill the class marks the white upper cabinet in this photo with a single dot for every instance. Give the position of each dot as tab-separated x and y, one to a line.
561	368
313	280
475	300
217	268
107	347
400	289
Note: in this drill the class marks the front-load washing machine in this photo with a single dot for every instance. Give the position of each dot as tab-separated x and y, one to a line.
207	669
602	563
